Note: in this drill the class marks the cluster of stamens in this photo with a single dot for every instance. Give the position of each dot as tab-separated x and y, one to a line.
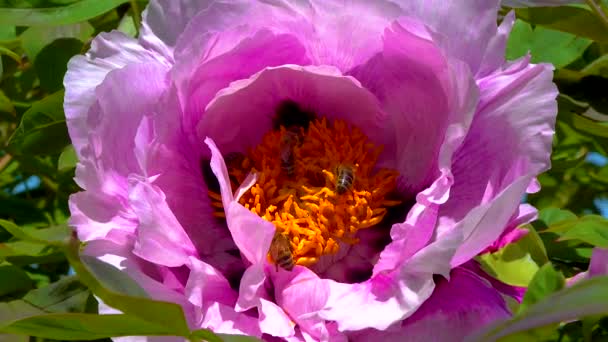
307	201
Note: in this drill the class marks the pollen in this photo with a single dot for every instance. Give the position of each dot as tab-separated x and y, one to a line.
300	186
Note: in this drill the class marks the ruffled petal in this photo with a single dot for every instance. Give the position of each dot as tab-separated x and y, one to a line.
251	234
389	297
109	51
505	142
424	94
113	122
160	239
484	224
451	20
457	307
246	109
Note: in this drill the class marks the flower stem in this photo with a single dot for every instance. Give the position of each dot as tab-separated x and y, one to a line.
598	11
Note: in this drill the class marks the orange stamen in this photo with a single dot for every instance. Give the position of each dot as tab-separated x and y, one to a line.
306	207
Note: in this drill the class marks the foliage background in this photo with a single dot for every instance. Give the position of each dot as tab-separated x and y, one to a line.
47	291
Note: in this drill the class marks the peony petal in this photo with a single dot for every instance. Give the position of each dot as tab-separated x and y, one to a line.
456	308
113	123
494	56
165	20
452	19
525	214
160	238
599	262
246	108
198	85
389	296
252	293
224	320
492	158
109	51
302	294
515	292
440	93
251	234
485	223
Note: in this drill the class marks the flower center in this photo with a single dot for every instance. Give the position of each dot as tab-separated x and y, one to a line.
318	186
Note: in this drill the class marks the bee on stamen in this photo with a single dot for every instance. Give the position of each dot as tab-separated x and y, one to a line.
345	177
281	253
288	161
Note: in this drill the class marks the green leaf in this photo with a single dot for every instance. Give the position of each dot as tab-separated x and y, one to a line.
54	235
84	327
545	282
67	159
586	298
237	338
598	67
205	335
65	295
73	13
591	229
146	309
13	279
552	216
42	129
112	278
127	25
545	45
52	62
37	37
575	20
14	338
516	263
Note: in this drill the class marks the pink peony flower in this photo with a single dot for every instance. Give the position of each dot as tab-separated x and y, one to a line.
388	143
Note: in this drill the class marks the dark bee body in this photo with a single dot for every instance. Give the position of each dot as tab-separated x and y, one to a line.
345	177
280	252
288	163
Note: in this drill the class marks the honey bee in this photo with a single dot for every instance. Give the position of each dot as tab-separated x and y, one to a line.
345	177
288	162
280	252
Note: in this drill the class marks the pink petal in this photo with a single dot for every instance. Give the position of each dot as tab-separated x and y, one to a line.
452	19
599	262
490	158
389	296
109	51
246	108
251	234
160	238
484	224
456	308
525	214
198	84
441	94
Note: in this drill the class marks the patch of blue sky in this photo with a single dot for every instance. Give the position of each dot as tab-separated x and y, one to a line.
597	159
31	183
